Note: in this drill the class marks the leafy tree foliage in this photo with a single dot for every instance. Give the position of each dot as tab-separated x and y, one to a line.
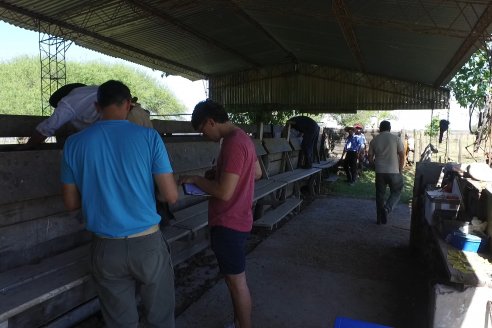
361	117
471	84
21	81
268	117
471	87
432	129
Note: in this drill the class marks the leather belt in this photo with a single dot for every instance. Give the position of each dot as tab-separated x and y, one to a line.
146	232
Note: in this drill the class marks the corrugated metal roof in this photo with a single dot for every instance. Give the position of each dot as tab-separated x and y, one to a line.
422	42
312	88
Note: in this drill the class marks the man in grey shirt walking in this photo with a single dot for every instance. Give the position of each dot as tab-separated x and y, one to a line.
386	153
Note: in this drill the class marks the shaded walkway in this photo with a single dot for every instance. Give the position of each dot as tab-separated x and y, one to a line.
330	260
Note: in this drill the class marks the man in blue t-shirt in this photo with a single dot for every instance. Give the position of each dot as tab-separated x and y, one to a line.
108	170
351	150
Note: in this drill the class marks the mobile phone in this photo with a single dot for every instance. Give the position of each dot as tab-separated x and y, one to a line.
193	189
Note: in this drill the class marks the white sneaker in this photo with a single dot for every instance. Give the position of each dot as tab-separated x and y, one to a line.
230	325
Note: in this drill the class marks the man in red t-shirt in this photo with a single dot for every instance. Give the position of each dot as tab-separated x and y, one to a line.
230	216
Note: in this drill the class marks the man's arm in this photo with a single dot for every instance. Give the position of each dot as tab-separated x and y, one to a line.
168	191
71	197
258	172
401	160
222	189
62	114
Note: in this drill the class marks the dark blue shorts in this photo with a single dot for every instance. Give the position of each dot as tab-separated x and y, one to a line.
229	247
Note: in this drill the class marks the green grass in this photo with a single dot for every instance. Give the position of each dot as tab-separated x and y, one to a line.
364	187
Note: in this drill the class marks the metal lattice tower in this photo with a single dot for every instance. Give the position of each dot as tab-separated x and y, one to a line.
52	51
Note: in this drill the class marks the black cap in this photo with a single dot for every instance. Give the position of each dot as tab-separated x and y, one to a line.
63	92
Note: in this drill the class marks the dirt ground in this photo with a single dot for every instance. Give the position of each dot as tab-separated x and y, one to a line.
330	260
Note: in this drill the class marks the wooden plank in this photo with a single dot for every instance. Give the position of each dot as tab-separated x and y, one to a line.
276	145
28	234
295	175
326	164
13	259
173	127
30	209
264	187
28	175
191	211
19	276
173	233
187	156
295	143
48	306
19	125
260	150
194	223
275	167
274	216
18	300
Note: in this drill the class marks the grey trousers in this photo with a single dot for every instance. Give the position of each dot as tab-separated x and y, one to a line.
120	266
395	183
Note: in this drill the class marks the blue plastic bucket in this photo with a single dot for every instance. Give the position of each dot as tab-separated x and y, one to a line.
341	322
466	242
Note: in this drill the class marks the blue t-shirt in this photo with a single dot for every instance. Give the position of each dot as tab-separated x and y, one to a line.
112	163
362	140
352	143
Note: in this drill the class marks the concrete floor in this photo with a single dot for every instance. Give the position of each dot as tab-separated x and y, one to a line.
330	260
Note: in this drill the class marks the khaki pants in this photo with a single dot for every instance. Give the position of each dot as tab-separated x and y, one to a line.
120	266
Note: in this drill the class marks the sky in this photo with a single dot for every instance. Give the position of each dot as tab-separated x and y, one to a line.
17	42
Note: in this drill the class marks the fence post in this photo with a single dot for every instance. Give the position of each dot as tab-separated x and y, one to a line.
459	150
420	144
414	145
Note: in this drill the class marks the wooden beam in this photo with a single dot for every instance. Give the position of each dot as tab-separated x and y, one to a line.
31	209
29	174
344	18
31	233
188	156
173	127
18	125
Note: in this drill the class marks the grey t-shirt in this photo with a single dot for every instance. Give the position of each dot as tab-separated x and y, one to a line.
385	148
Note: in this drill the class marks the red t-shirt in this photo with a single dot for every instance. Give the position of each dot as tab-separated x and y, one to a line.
237	156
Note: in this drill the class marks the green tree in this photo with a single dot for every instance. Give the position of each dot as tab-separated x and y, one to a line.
268	117
471	86
361	117
21	93
432	129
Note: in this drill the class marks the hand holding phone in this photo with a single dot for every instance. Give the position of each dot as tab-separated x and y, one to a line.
193	189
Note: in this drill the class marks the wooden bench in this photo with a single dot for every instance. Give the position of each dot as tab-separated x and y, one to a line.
279	175
186	230
44	250
288	171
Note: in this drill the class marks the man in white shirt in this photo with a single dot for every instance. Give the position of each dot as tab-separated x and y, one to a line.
74	104
387	154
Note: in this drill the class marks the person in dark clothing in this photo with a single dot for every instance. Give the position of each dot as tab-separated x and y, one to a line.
310	133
